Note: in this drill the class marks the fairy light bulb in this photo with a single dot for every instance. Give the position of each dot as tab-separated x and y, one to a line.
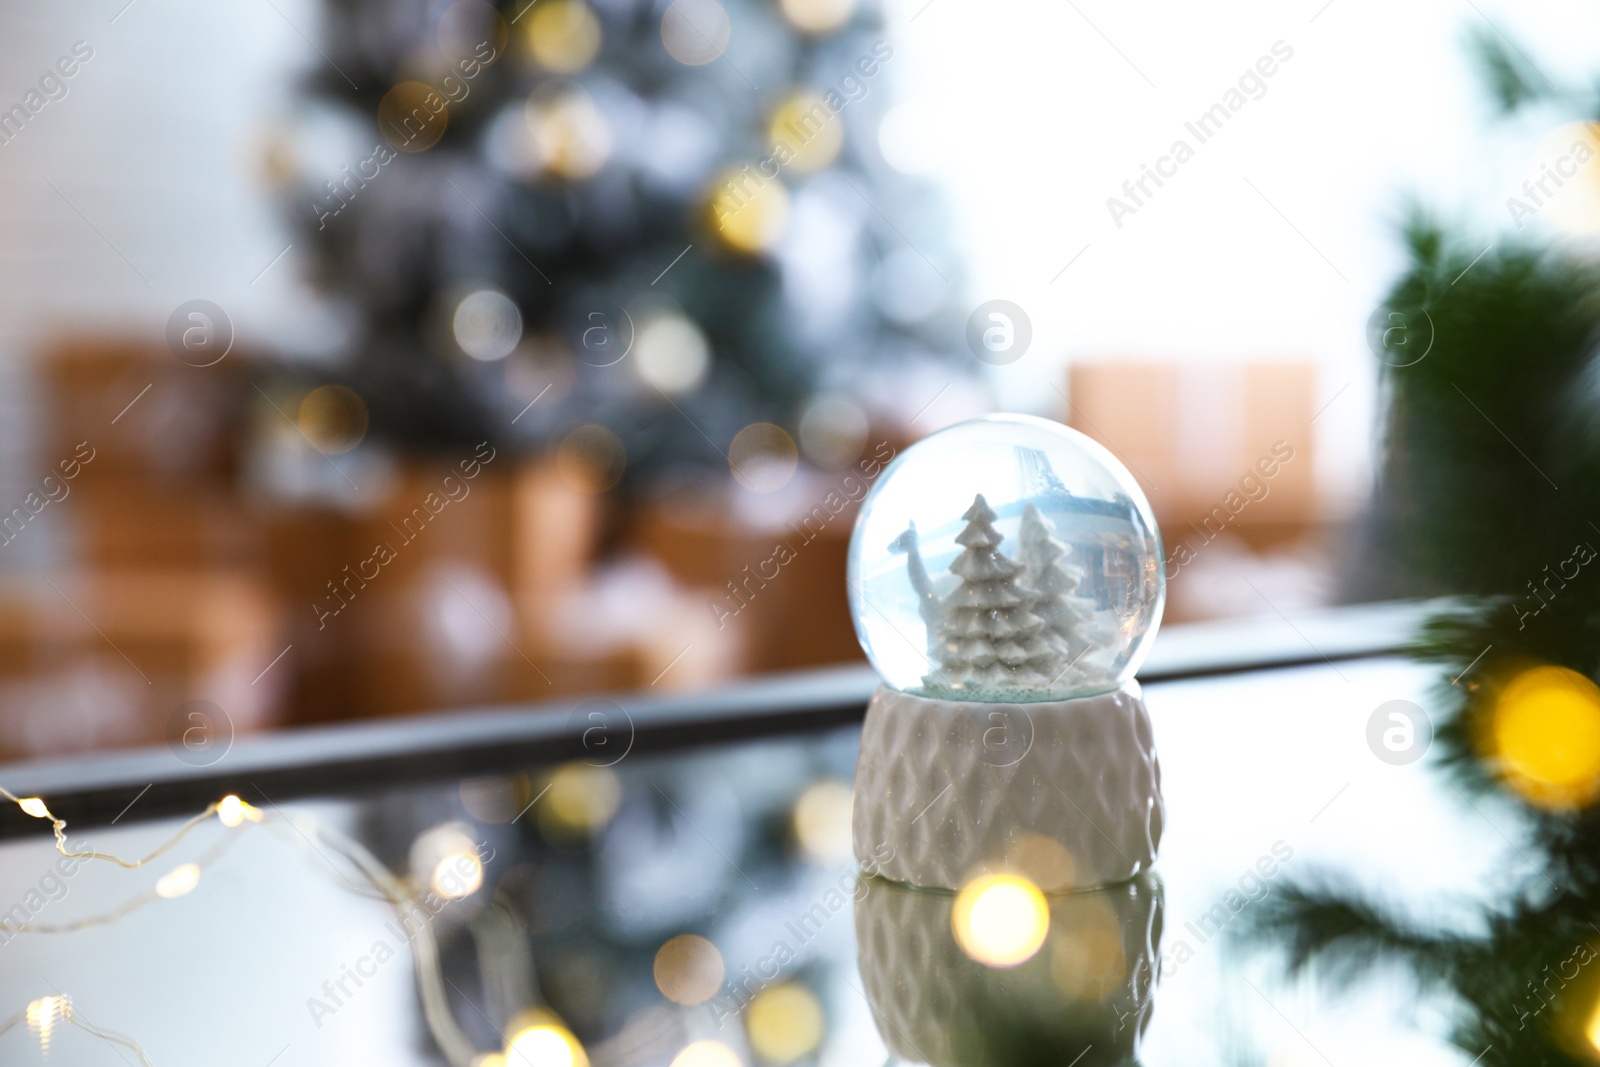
35	807
231	811
179	882
44	1014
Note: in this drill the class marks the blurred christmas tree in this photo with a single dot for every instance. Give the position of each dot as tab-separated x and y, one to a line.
672	221
1490	487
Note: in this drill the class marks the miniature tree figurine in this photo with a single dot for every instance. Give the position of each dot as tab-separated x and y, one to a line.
989	639
1069	619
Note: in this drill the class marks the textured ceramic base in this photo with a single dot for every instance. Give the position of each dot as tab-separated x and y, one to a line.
1082	999
1066	792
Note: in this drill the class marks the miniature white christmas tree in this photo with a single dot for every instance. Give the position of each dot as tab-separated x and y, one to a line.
1071	620
989	639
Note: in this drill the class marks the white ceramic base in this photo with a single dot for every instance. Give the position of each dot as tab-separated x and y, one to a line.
1067	792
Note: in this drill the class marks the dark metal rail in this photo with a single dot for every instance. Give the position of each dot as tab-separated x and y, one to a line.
357	758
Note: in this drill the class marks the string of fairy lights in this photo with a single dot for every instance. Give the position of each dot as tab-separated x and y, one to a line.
46	1015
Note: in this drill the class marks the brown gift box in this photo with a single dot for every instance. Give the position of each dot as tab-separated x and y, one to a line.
1214	446
145	413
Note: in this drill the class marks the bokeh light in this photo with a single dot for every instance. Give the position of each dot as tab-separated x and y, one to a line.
1545	731
180	882
537	1038
694	32
822	822
671	353
707	1053
591	459
1042	860
833	431
1000	920
689	970
817	16
471	31
908	141
448	857
579	799
231	811
43	1015
747	212
413	116
1087	957
563	36
906	286
807	128
498	799
457	877
333	418
763	457
1563	180
784	1022
487	325
571	134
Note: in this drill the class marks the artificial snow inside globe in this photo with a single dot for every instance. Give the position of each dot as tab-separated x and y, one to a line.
1005	579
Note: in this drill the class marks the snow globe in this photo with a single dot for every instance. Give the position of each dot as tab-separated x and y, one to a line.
1005	579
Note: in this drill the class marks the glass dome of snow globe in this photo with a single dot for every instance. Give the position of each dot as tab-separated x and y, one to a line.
1006	559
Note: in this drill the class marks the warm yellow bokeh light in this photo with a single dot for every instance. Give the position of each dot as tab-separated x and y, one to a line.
784	1023
179	882
563	35
43	1015
822	822
763	457
413	116
707	1054
580	799
817	16
1000	920
1087	957
1043	860
746	210
457	876
538	1038
489	1059
808	131
570	132
591	459
333	418
689	970
1561	182
232	811
1545	730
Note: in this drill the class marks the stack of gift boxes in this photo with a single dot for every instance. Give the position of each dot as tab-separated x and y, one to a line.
172	562
179	572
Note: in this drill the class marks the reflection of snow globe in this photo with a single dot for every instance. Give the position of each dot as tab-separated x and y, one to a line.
1005	579
1084	997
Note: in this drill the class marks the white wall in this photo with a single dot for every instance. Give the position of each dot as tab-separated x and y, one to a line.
1036	119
